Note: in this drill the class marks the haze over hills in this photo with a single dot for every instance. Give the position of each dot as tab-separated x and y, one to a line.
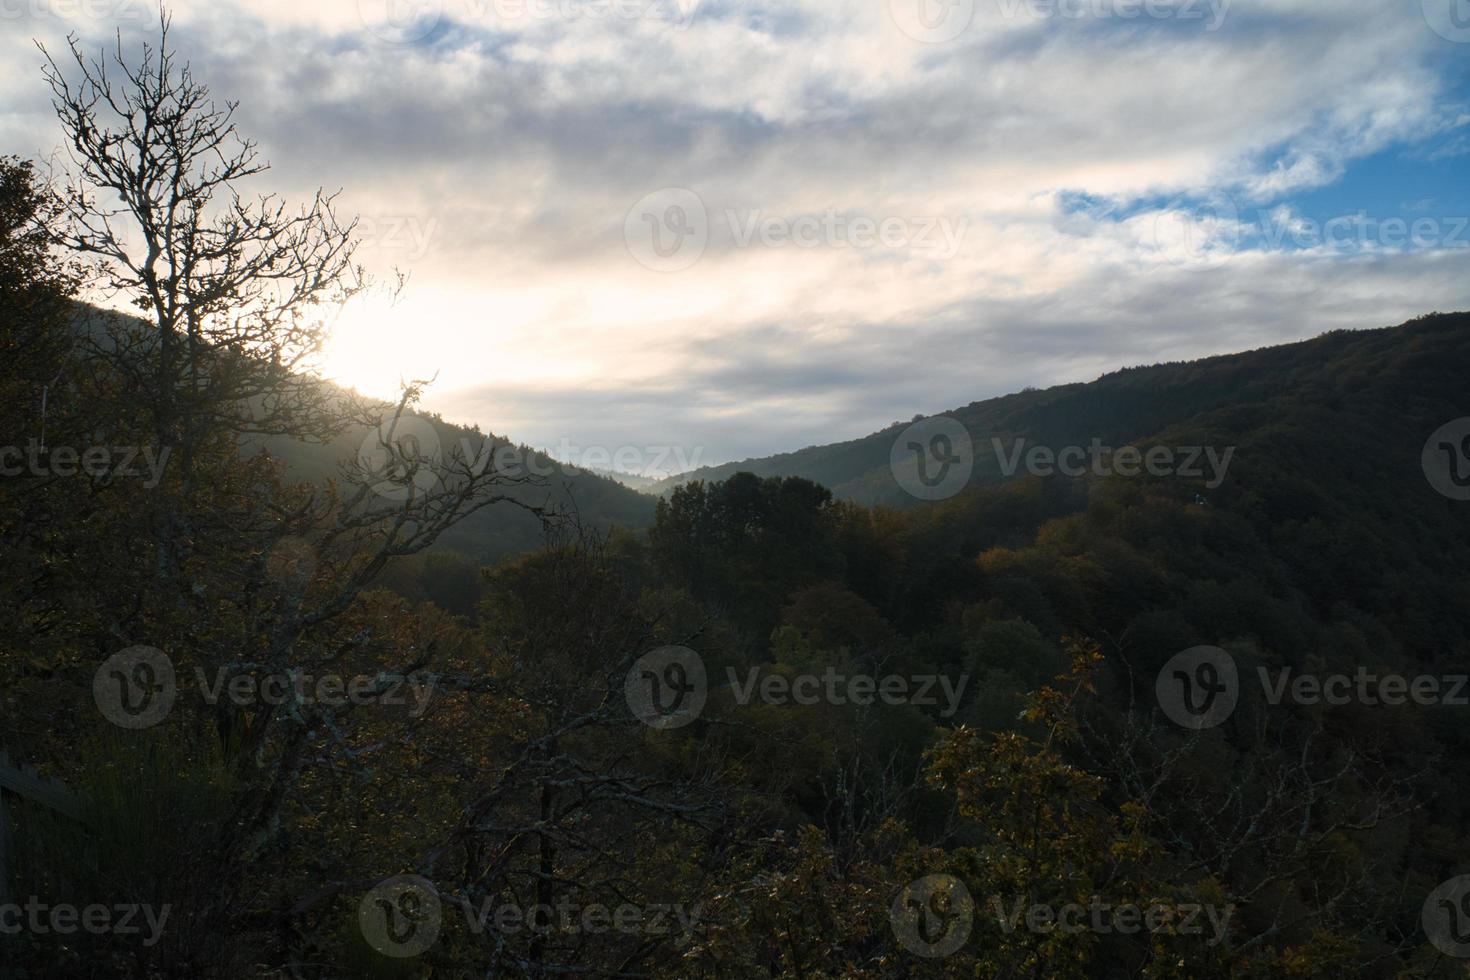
1349	379
1128	406
599	499
1218	401
500	530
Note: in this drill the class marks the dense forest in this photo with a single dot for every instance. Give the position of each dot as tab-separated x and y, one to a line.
266	717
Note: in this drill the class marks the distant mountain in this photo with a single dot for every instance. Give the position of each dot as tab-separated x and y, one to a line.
644	484
486	536
501	530
1129	406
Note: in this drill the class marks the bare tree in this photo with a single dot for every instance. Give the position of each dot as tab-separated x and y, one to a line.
237	292
236	296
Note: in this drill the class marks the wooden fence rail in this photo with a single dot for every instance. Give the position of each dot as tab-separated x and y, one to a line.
30	785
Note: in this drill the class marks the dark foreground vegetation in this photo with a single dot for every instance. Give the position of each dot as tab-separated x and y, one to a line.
491	801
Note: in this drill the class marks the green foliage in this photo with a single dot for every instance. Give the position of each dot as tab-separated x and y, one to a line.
793	827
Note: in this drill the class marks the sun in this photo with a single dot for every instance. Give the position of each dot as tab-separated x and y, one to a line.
377	344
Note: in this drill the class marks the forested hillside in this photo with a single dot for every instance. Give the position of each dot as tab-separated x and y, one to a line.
1118	409
502	530
499	531
1109	725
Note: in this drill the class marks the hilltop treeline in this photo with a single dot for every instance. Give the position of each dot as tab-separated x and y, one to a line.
775	734
511	769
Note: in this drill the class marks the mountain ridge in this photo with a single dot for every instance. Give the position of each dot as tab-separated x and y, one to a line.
1119	407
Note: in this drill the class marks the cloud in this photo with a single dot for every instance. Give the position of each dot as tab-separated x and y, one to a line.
508	142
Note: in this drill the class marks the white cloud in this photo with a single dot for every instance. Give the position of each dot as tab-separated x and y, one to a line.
512	147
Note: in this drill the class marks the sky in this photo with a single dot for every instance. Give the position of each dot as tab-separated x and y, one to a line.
732	228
